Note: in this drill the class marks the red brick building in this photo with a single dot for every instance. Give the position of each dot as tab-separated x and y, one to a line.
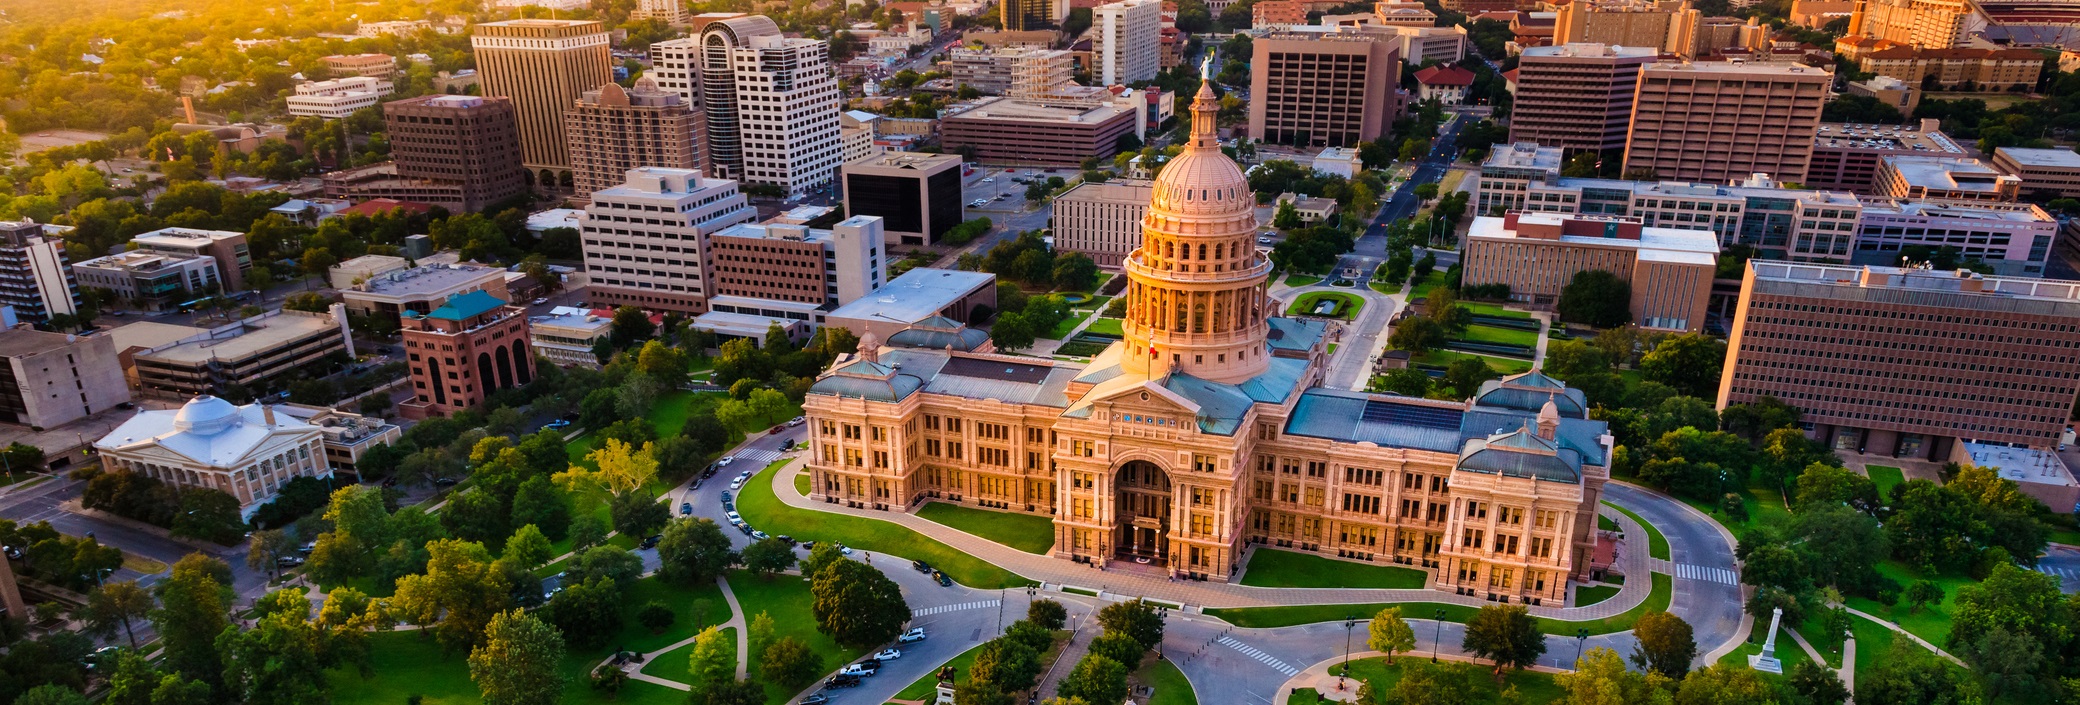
463	351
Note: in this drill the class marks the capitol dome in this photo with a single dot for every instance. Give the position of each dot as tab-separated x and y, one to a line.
206	415
1203	181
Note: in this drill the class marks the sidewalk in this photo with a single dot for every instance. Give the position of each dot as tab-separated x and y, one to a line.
1203	594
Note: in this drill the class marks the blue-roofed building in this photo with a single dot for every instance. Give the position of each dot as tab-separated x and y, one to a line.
469	346
1205	433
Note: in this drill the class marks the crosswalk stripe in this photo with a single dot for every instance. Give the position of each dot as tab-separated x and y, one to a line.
942	609
2062	573
1706	573
759	456
1258	654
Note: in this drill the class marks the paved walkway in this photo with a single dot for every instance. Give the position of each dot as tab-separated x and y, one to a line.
1910	635
1061	571
736	621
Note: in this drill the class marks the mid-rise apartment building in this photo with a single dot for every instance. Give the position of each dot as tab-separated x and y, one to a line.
1959	68
48	380
793	263
1538	254
1630	23
1014	71
1717	121
337	98
1101	220
1907	362
613	130
1846	156
917	196
248	452
1128	35
151	281
671	12
459	152
33	276
1934	24
1945	178
460	353
2014	238
381	66
1323	87
542	65
234	257
249	357
568	339
770	101
2051	173
645	241
394	294
1577	97
1013	131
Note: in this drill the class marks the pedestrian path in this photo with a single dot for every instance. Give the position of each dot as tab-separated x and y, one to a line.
1258	654
1685	571
943	609
758	457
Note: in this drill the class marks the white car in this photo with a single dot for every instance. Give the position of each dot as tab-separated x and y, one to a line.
727	459
888	655
989	179
798	420
737	484
844	550
1263	241
734	518
857	670
912	636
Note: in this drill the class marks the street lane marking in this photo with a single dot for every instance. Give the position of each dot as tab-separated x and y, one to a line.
942	609
2063	573
760	456
1713	575
1258	654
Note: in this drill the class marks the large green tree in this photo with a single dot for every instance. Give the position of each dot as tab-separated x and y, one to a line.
693	551
1505	634
459	593
193	604
282	658
857	605
1140	619
1596	298
1689	363
1095	679
1666	645
520	661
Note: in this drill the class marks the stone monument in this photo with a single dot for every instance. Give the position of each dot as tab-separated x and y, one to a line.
1766	661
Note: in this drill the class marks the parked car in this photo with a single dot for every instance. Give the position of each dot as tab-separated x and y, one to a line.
760	535
798	420
738	483
788	539
1263	241
444	482
816	699
888	655
726	496
943	580
734	518
307	547
288	561
556	424
858	670
651	541
776	430
915	635
921	567
808	545
787	444
745	528
842	680
869	662
685	508
726	460
844	550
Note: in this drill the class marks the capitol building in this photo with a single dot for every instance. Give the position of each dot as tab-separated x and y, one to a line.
1204	434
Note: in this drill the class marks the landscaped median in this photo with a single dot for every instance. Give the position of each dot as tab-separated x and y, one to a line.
1026	532
1657	545
1293	615
1328	304
764	511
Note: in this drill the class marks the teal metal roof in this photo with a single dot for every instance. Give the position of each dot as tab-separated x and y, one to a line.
1295	334
1529	391
1521	453
462	307
1223	406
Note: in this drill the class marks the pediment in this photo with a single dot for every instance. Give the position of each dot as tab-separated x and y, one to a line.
1149	397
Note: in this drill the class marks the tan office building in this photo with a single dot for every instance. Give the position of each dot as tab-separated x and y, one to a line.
1931	24
1960	68
614	129
543	66
1714	122
1944	178
1102	221
2045	172
1631	23
1323	87
1011	131
1577	97
1538	254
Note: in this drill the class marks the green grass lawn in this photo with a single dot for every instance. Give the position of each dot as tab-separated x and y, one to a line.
1302	280
1932	622
801	483
1025	532
1422	288
1605	523
1069	323
1106	326
1873	642
1352	303
763	510
1765	508
926	685
1304	696
677	664
1885	477
786	598
1505	336
1657	545
1493	310
1172	688
1534	686
1443	358
1274	568
1290	615
1383	287
1591	594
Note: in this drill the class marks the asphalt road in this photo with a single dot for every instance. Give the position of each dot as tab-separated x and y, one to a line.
1711	606
44	503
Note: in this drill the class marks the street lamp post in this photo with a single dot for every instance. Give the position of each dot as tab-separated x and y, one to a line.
1349	623
1581	638
1437	637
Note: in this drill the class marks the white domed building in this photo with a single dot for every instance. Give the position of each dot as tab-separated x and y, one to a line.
248	451
1204	433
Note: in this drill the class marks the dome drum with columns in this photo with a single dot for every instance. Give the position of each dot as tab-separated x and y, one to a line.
1204	435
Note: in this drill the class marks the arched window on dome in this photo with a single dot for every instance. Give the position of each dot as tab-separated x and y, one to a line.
1202	251
1220	319
1199	318
1177	323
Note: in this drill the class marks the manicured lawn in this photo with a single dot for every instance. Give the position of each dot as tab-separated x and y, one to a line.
1505	336
786	598
926	685
801	483
1482	309
1591	594
1605	523
1304	696
668	416
1534	686
1172	688
1302	280
1444	358
1106	326
371	585
763	510
1069	323
409	663
1383	287
1274	568
1422	288
1885	477
677	664
1657	545
1931	622
1290	615
1765	508
1873	642
1025	532
1349	306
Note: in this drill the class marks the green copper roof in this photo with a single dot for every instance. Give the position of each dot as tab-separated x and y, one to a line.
462	307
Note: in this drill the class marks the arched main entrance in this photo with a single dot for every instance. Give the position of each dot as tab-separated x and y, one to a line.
1141	503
